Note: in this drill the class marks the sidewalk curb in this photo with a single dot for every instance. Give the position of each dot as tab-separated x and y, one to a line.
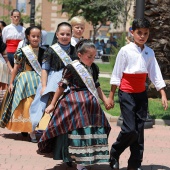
155	121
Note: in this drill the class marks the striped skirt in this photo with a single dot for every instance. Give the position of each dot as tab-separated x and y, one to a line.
25	85
4	80
85	146
79	115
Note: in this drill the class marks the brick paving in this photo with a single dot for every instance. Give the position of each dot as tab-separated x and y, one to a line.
17	153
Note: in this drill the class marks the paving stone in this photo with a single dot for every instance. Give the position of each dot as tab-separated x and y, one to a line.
17	153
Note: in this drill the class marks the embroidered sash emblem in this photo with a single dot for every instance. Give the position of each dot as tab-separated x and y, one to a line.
86	77
32	59
62	54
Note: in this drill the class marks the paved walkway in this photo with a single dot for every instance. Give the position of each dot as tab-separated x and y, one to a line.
17	153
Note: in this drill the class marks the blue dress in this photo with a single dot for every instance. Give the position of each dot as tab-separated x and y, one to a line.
54	66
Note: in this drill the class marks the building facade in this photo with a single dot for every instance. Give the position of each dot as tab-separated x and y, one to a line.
49	16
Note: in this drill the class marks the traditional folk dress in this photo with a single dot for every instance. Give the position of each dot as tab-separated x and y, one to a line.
16	112
54	66
4	73
4	80
78	129
12	34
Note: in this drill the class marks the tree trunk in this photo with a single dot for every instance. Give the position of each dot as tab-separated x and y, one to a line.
158	13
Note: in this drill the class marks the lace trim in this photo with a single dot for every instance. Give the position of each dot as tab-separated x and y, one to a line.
88	149
91	136
64	81
20	119
92	158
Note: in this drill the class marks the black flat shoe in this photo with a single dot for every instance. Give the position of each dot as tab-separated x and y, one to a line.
69	164
134	168
114	164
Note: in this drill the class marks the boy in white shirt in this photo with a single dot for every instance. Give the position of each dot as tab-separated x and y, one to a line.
134	63
13	34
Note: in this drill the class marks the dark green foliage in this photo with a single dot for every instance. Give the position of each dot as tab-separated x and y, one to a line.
95	12
114	50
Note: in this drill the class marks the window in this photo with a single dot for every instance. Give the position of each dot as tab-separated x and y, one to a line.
21	5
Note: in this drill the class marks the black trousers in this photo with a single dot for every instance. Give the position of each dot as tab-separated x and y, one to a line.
11	58
133	108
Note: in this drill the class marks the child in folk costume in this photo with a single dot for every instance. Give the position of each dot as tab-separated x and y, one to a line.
5	69
2	25
55	58
78	129
78	26
23	85
134	63
12	34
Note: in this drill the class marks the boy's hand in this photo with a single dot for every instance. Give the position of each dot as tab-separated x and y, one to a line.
49	109
164	102
109	103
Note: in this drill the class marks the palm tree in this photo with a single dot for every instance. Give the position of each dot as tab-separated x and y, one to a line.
158	13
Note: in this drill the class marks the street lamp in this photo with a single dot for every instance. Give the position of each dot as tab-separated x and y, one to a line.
32	12
140	8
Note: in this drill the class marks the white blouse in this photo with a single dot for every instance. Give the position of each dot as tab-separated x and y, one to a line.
13	32
132	60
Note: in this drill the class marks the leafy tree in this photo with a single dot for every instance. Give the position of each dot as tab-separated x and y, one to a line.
6	19
119	10
98	12
97	15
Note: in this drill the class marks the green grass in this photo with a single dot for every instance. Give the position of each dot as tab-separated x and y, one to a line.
106	67
155	107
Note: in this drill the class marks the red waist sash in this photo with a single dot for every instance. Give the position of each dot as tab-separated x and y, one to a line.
12	45
133	83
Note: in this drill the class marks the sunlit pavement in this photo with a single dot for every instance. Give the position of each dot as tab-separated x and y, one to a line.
16	152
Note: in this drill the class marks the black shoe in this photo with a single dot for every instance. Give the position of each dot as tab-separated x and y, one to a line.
114	164
134	168
69	164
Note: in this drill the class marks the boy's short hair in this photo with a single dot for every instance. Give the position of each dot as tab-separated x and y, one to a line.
140	23
15	10
77	20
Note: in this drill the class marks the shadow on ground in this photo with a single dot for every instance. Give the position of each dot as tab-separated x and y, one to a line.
16	136
63	166
19	136
151	167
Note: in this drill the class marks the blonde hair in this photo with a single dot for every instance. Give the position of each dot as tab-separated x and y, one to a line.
77	20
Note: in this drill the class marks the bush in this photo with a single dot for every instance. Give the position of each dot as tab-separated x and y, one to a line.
114	50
